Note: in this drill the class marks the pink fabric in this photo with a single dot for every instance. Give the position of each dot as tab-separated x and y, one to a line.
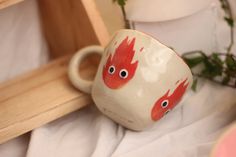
226	146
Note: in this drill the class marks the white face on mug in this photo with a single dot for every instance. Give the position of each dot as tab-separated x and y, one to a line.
139	80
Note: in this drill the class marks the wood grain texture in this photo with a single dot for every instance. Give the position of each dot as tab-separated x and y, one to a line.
7	3
71	24
39	97
45	94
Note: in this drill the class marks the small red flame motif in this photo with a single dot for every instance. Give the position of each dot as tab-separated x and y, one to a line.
119	68
166	103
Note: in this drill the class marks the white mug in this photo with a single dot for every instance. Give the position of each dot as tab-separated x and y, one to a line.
138	81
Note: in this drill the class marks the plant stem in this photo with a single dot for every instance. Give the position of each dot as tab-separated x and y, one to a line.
194	52
218	82
127	25
231	27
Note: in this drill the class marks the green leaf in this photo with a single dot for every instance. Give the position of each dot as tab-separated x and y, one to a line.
120	2
215	58
226	80
194	85
211	69
230	62
211	73
192	62
229	21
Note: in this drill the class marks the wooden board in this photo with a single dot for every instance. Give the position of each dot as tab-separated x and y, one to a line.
71	24
7	3
43	95
39	97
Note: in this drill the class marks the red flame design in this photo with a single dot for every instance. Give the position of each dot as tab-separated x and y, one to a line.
166	103
120	61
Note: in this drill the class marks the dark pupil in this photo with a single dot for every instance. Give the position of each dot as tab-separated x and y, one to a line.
123	73
111	69
164	104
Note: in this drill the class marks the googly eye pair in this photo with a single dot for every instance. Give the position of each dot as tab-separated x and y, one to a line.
123	72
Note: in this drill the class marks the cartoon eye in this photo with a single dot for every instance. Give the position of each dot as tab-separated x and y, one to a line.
123	73
111	69
167	112
164	103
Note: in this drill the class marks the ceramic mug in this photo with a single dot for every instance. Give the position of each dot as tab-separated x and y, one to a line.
138	81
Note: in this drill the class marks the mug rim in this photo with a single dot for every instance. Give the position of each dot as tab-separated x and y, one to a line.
156	40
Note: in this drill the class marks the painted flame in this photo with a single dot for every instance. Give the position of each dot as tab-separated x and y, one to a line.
158	111
121	59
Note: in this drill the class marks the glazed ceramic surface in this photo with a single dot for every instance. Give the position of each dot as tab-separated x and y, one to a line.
139	80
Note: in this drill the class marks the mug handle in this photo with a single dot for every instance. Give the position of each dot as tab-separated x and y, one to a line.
74	76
